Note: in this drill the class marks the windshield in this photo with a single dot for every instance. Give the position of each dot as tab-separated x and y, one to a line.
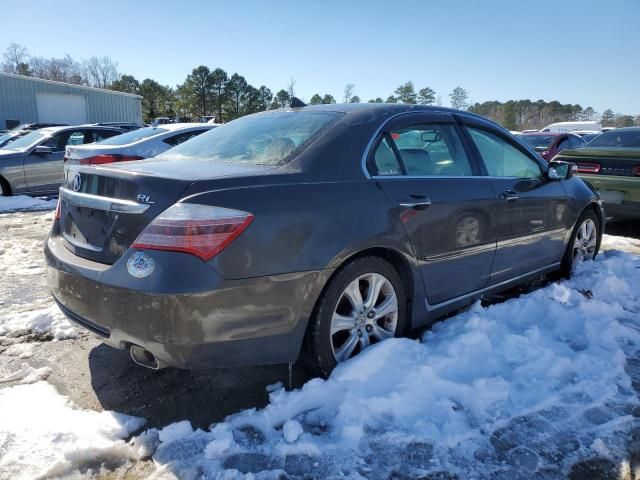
133	136
23	143
539	141
273	138
618	138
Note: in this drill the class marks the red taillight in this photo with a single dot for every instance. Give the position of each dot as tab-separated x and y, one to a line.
101	159
201	230
636	171
57	214
588	167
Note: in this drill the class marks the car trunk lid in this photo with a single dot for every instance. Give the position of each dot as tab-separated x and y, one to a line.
104	209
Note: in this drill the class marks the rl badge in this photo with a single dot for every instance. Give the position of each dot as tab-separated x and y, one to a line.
140	265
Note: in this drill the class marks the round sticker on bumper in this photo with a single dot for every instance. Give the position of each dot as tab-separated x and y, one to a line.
140	265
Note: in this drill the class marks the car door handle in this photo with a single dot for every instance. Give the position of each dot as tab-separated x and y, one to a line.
509	195
415	203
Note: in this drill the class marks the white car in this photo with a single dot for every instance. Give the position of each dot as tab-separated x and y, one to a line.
135	145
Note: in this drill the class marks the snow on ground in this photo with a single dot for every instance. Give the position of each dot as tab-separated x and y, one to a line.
24	202
524	387
630	245
45	321
44	435
22	258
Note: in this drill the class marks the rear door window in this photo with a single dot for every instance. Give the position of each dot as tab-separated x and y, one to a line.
421	150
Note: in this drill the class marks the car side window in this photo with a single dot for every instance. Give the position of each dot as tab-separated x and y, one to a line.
182	137
99	135
431	149
501	158
60	140
385	162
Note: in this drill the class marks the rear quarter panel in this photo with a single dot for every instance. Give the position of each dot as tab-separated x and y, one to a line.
311	226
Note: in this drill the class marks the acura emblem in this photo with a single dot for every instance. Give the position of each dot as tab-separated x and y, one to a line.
77	183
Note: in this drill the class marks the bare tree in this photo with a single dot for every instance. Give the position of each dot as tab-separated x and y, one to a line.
290	89
100	72
64	69
15	59
348	92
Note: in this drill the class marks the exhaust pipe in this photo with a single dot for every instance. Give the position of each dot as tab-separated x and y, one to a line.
144	357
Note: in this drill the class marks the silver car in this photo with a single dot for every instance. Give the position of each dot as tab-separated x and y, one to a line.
33	164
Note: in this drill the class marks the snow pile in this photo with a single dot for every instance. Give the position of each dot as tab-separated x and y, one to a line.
626	244
24	202
27	374
24	258
37	442
45	321
528	386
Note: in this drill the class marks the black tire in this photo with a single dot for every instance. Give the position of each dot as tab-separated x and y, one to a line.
566	268
5	189
320	358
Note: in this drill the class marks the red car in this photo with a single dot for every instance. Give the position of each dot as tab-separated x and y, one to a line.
549	144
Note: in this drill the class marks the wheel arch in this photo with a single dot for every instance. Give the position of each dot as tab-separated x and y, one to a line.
407	270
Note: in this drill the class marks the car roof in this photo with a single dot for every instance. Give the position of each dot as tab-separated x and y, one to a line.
178	126
380	109
52	130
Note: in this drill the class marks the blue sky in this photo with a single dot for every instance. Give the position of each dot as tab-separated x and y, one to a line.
585	52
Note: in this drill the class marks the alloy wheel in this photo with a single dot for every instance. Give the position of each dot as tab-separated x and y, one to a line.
584	244
366	313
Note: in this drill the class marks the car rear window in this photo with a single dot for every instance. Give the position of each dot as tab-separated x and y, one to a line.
272	138
618	138
133	136
539	141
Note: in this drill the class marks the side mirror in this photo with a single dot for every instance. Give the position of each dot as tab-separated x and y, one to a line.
42	150
559	170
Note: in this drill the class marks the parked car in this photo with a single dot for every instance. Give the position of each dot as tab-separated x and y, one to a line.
33	163
611	163
548	145
135	145
320	230
21	130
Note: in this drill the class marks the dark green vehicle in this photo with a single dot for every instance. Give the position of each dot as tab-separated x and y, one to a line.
611	163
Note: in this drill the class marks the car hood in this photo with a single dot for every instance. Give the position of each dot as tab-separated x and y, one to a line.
602	152
184	169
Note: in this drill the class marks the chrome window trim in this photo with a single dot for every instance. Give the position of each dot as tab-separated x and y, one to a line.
102	203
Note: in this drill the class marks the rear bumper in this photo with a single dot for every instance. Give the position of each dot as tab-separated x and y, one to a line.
620	195
218	323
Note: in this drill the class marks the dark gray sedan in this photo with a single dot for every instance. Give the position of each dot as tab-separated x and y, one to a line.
317	230
33	163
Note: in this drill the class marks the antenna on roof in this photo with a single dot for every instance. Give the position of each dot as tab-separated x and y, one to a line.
297	103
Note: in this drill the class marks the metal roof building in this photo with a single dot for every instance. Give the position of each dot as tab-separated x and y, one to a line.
33	100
